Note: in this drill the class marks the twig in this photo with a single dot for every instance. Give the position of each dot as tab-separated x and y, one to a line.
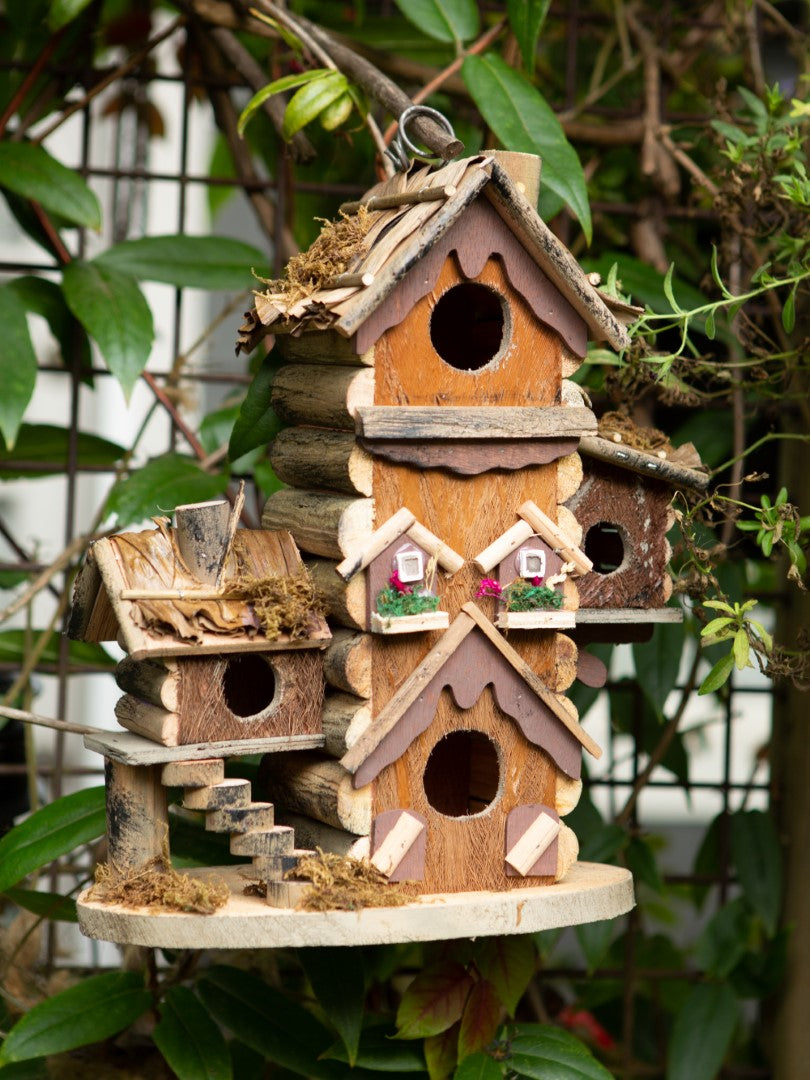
74	547
29	80
111	77
33	657
26	717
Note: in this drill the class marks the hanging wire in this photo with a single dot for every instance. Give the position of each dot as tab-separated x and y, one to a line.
401	146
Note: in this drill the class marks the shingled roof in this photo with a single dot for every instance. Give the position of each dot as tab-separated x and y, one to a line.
398	237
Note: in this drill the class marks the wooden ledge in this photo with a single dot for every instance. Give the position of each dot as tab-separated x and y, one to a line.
135	750
624	616
409	624
536	620
462	422
590	892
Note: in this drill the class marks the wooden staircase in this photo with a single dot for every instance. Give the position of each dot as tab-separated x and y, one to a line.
251	826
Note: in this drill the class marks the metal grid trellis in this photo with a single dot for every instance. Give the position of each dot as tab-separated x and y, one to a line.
132	180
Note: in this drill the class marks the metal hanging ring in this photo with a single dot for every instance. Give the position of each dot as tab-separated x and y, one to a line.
401	145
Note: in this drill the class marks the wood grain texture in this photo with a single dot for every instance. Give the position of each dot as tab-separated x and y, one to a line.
150	721
345	601
321	396
309	457
318	787
132	749
320	523
152	681
193	773
137	815
407	863
466	422
650	465
295	688
347	662
383	536
322	347
591	670
638	509
202	537
470	457
467	852
569	476
344	719
314	834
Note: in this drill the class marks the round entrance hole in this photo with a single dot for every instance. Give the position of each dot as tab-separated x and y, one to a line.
248	685
604	546
462	774
468	326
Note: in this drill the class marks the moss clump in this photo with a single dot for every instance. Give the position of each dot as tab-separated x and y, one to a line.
393	603
521	595
344	884
284	603
647	439
159	886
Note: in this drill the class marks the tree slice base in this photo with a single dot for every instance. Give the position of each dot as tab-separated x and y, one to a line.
589	893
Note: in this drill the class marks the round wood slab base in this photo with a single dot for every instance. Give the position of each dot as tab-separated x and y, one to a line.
589	893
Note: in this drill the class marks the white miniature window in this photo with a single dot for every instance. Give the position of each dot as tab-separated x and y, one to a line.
532	563
410	565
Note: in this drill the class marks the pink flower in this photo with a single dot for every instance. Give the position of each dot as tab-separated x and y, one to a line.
489	587
537	581
400	586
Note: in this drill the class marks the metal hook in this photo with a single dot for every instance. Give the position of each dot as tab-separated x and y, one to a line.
401	145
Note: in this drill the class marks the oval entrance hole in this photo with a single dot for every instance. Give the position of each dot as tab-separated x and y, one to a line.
462	774
248	685
467	327
604	547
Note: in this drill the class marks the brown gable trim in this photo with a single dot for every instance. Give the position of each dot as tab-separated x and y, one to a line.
474	238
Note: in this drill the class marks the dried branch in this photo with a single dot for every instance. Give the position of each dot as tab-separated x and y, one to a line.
26	717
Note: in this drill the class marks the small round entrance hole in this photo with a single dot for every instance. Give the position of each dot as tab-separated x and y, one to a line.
249	685
604	547
468	326
462	774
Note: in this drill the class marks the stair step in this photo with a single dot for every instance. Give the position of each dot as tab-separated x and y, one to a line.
286	894
218	796
274	867
276	841
193	774
255	817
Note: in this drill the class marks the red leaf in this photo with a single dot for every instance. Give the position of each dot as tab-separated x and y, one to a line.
508	963
433	1001
441	1053
480	1020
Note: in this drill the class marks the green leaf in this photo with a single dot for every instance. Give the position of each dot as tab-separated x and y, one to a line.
30	171
644	284
595	939
702	1033
789	311
755	850
45	298
160	485
433	1001
548	1053
718	675
522	120
508	963
111	307
278	86
713	627
526	18
200	262
34	1069
709	855
668	291
657	663
380	1052
741	649
18	364
337	113
724	939
441	1052
341	999
308	102
189	1040
65	11
257	424
14	649
92	1010
52	906
480	1019
443	20
709	328
479	1067
641	861
49	833
603	844
216	427
269	1022
50	446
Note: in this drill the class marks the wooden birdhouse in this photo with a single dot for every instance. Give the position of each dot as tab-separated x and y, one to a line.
210	657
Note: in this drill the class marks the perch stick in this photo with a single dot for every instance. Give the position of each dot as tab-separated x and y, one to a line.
26	717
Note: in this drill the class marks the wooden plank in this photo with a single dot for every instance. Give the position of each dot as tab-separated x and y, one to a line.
347	663
193	773
470	457
321	396
308	457
137	815
590	892
321	523
506	543
464	422
256	817
626	457
628	616
554	535
231	792
390	853
536	620
447	559
409	624
526	851
322	347
371	546
133	749
408	692
561	707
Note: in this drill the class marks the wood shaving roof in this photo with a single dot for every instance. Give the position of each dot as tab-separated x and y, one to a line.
398	237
